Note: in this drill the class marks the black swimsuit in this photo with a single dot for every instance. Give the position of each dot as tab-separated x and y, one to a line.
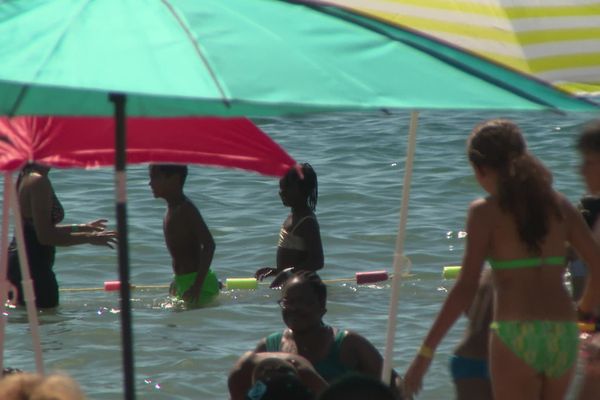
41	261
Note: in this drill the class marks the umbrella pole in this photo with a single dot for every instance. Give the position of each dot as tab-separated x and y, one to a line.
4	267
27	283
123	250
399	258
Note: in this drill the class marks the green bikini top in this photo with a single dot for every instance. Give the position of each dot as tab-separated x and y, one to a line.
527	262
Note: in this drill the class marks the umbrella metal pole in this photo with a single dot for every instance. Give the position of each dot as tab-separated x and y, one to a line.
4	267
399	258
123	250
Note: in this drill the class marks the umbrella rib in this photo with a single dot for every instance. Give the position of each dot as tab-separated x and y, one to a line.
199	52
25	88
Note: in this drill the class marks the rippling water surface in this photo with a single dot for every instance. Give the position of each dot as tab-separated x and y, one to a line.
359	159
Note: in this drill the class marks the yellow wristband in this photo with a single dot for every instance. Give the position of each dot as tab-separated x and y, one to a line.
426	351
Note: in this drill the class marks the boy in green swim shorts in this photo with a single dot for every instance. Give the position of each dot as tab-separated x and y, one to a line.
188	239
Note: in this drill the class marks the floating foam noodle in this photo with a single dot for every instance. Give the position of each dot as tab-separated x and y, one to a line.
111	286
371	277
451	271
241	283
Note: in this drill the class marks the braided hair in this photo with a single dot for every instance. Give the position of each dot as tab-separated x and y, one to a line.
305	177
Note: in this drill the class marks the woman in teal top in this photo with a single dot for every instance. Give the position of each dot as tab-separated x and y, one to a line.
522	228
332	352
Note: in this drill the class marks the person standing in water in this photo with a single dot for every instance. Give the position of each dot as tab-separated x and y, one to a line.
187	237
299	246
521	228
588	145
41	213
469	363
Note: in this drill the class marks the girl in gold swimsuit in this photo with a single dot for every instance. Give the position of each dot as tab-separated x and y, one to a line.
299	246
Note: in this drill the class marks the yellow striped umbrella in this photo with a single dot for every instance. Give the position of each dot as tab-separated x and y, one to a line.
555	40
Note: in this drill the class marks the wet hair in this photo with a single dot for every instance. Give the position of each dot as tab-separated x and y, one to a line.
589	140
524	183
171	169
313	281
357	387
308	184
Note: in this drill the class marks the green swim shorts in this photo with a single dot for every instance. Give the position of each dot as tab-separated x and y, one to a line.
209	291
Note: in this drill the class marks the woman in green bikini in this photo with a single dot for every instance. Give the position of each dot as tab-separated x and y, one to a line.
521	228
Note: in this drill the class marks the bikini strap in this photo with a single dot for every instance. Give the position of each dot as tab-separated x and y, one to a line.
273	342
301	221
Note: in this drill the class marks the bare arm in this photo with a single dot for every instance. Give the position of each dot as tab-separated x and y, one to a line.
39	194
580	237
205	250
363	357
311	233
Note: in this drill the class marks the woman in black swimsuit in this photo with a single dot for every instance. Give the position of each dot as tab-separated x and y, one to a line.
41	213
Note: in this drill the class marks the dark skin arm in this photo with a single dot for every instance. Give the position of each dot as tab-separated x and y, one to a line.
35	197
361	356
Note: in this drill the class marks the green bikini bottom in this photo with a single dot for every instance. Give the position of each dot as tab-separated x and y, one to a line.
549	347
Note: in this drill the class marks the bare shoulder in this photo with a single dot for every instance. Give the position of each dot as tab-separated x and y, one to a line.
566	207
354	341
484	206
187	211
36	183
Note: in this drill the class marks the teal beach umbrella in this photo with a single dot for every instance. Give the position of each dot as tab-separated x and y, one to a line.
232	58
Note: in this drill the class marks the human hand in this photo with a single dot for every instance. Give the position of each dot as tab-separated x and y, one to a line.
264	272
12	292
192	294
103	238
413	379
97	225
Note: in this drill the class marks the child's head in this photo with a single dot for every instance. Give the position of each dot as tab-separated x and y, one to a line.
492	144
166	178
278	387
523	185
178	170
272	367
588	145
299	187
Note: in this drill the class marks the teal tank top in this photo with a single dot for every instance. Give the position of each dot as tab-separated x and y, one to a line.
330	368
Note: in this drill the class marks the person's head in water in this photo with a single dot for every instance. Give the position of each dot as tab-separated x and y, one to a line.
167	178
303	301
279	387
298	188
522	184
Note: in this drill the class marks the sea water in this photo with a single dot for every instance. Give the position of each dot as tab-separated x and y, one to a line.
359	159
